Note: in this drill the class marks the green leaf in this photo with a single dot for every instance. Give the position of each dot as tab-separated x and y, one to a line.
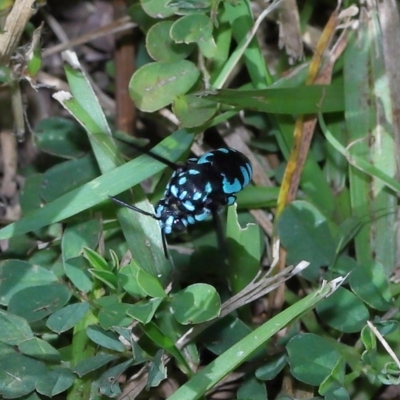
16	275
163	341
305	234
335	379
162	48
43	301
257	197
252	389
143	20
61	137
96	260
128	281
56	381
144	311
193	111
29	196
244	249
311	358
242	350
208	48
39	348
190	6
297	100
98	190
109	380
158	370
79	171
343	311
158	8
115	315
271	369
193	28
76	269
138	282
93	363
14	330
343	265
150	285
369	282
337	393
368	338
196	304
79	235
33	55
104	338
155	85
107	277
224	334
66	318
19	374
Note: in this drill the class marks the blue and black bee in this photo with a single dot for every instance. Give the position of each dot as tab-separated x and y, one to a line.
198	188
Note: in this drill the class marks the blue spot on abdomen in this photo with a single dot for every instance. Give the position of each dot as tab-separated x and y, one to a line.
234	187
246	175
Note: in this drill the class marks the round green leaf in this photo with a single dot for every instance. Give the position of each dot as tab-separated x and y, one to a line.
192	29
158	8
196	304
343	311
311	358
161	47
43	301
67	317
155	85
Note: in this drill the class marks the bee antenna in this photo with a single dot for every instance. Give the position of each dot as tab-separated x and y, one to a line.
132	207
174	166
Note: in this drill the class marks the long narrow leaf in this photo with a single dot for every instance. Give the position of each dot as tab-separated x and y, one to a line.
98	190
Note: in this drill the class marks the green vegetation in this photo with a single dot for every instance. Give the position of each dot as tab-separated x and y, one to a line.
90	305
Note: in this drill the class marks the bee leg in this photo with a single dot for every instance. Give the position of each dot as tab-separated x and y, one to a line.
165	245
221	237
